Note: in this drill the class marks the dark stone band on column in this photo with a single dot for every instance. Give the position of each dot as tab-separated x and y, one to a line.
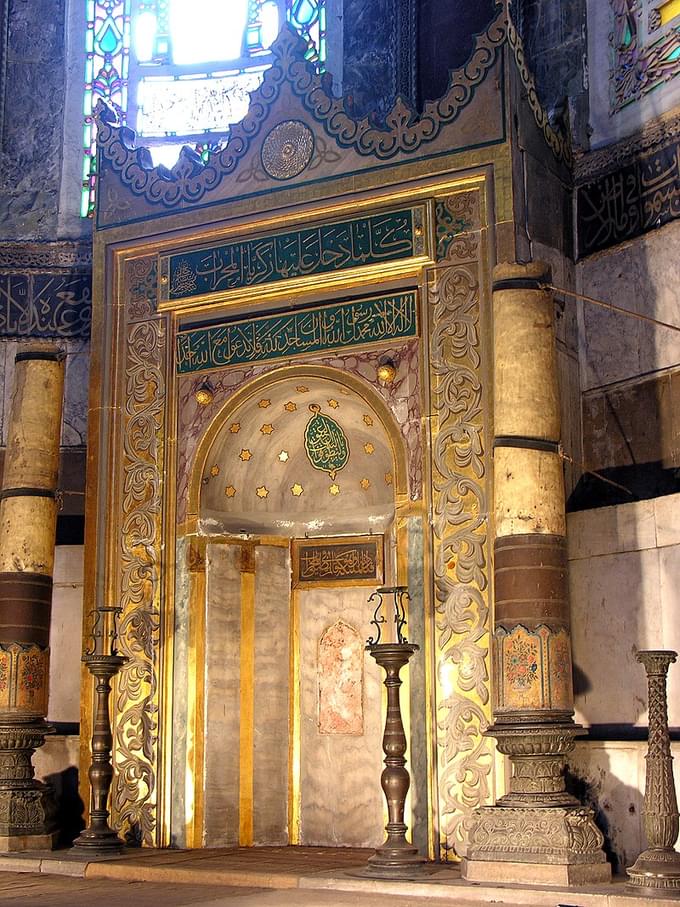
519	283
45	355
526	442
27	493
531	581
25	608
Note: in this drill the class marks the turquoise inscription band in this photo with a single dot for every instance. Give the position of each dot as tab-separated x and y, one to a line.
346	324
371	240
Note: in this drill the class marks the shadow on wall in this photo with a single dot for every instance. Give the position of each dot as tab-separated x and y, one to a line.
592	778
69	816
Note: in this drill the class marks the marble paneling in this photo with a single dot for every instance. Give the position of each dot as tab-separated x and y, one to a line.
417	752
69	564
669	638
641	276
338	808
613	530
180	687
76	387
271	695
616	610
610	778
667	521
66	635
222	679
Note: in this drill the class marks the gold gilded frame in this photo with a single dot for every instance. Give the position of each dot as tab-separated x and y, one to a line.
110	427
339	541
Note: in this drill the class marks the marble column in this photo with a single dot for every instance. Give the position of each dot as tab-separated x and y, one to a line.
537	832
28	515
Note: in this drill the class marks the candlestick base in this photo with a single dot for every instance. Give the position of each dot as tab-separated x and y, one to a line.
655	873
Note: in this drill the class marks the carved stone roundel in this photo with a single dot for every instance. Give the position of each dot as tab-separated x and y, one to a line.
287	150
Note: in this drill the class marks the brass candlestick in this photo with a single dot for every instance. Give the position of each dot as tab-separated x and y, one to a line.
99	836
656	871
396	858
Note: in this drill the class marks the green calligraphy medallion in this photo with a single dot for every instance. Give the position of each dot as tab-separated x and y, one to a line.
326	444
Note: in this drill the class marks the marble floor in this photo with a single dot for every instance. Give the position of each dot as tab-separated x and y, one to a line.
267	876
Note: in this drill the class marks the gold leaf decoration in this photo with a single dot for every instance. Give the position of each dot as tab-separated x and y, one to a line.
333	403
230	491
262	491
245	455
290	407
264	403
365	484
334	489
214	471
235	428
368	420
369	448
296	490
267	428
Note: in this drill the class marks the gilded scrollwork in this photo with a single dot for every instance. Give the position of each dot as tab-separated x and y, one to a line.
136	705
460	535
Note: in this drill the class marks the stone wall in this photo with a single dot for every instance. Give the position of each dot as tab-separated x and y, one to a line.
624	575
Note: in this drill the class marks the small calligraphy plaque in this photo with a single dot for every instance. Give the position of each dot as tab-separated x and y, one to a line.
347	561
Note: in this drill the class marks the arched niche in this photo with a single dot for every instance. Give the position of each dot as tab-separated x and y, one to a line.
254	471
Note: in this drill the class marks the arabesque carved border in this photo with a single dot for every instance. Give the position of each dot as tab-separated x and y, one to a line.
135	753
460	524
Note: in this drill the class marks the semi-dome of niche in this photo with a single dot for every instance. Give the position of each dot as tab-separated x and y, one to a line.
301	456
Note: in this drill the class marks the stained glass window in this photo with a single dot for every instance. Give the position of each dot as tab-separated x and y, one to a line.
180	71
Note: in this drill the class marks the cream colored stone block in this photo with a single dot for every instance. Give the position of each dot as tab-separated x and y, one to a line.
667	516
615	610
65	653
611	530
68	564
528	492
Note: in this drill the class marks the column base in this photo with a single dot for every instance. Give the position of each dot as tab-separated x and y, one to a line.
656	873
539	845
21	843
27	819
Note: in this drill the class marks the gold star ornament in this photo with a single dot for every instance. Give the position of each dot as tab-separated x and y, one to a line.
230	491
235	428
369	448
283	456
290	407
334	489
267	428
262	491
214	471
296	490
245	455
365	484
263	404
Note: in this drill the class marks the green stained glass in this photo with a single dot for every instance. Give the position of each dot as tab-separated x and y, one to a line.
111	38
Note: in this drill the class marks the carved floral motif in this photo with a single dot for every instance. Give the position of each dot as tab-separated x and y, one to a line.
136	737
460	534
